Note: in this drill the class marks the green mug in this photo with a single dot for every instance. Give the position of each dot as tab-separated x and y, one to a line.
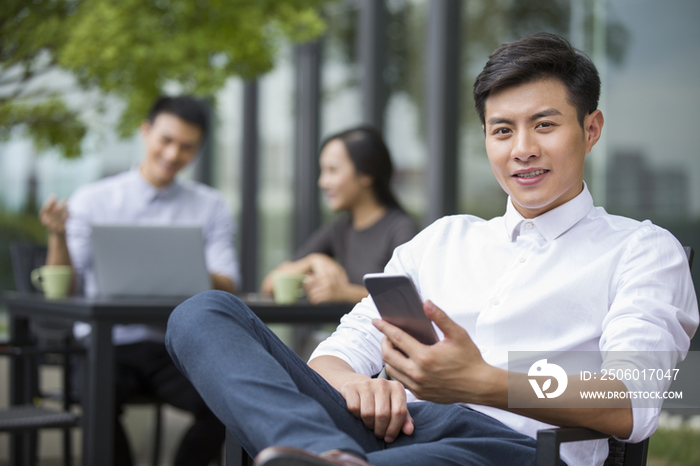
286	287
53	280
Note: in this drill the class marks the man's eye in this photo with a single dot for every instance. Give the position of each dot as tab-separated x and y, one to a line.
545	124
502	131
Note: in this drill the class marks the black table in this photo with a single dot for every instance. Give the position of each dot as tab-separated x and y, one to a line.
103	314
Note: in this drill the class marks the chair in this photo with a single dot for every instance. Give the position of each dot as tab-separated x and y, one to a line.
620	453
29	418
51	337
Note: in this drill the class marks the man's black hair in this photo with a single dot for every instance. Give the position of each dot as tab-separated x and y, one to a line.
540	56
188	108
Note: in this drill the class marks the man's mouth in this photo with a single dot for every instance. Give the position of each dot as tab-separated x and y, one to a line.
170	167
531	174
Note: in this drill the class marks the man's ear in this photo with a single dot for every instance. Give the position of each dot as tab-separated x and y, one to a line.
145	127
592	128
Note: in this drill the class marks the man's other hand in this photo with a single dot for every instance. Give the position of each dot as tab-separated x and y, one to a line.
53	215
381	404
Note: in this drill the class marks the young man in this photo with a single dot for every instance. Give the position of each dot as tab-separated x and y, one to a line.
151	194
553	275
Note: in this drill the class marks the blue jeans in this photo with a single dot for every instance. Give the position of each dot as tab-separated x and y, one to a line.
266	395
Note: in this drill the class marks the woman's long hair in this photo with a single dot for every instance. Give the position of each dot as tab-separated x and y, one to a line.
371	157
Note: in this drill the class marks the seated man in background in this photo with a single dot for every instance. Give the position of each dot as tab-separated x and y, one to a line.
554	274
150	194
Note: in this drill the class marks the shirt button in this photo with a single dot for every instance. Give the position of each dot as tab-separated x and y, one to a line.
522	259
496	302
528	225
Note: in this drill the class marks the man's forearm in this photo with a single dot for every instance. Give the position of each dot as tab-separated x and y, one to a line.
334	370
57	250
613	420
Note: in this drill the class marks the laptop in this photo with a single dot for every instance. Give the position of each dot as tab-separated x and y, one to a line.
139	260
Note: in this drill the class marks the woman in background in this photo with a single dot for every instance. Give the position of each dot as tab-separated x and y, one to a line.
356	173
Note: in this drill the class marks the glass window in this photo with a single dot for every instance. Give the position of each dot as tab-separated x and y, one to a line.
404	75
341	100
276	164
652	107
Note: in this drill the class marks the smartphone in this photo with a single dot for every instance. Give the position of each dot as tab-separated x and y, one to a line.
399	304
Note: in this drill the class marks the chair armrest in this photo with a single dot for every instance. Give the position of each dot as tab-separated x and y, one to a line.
548	441
235	454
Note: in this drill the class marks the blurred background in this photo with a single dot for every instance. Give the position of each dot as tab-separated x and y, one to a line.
76	77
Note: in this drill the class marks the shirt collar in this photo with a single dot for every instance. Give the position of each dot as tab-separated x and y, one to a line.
553	223
146	190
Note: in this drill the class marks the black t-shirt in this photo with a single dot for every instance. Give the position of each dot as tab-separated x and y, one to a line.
364	251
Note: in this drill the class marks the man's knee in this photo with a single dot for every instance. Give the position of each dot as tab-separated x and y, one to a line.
189	321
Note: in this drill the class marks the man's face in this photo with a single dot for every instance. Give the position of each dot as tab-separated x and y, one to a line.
536	145
171	143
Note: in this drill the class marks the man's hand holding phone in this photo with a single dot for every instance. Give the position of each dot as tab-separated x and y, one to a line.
449	371
398	303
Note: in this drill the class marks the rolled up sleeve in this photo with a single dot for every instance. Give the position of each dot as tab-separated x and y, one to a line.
652	317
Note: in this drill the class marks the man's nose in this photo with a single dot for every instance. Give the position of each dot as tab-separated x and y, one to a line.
525	146
171	152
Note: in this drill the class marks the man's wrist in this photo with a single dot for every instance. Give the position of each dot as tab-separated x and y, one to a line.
494	388
57	235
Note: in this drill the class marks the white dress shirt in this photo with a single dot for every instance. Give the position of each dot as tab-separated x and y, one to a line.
573	279
128	199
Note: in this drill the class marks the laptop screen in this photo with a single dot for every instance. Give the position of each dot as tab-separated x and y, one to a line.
139	260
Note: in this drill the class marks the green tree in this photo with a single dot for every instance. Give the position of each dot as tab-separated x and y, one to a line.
133	49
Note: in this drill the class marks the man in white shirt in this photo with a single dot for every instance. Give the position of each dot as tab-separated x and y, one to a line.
553	275
150	194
